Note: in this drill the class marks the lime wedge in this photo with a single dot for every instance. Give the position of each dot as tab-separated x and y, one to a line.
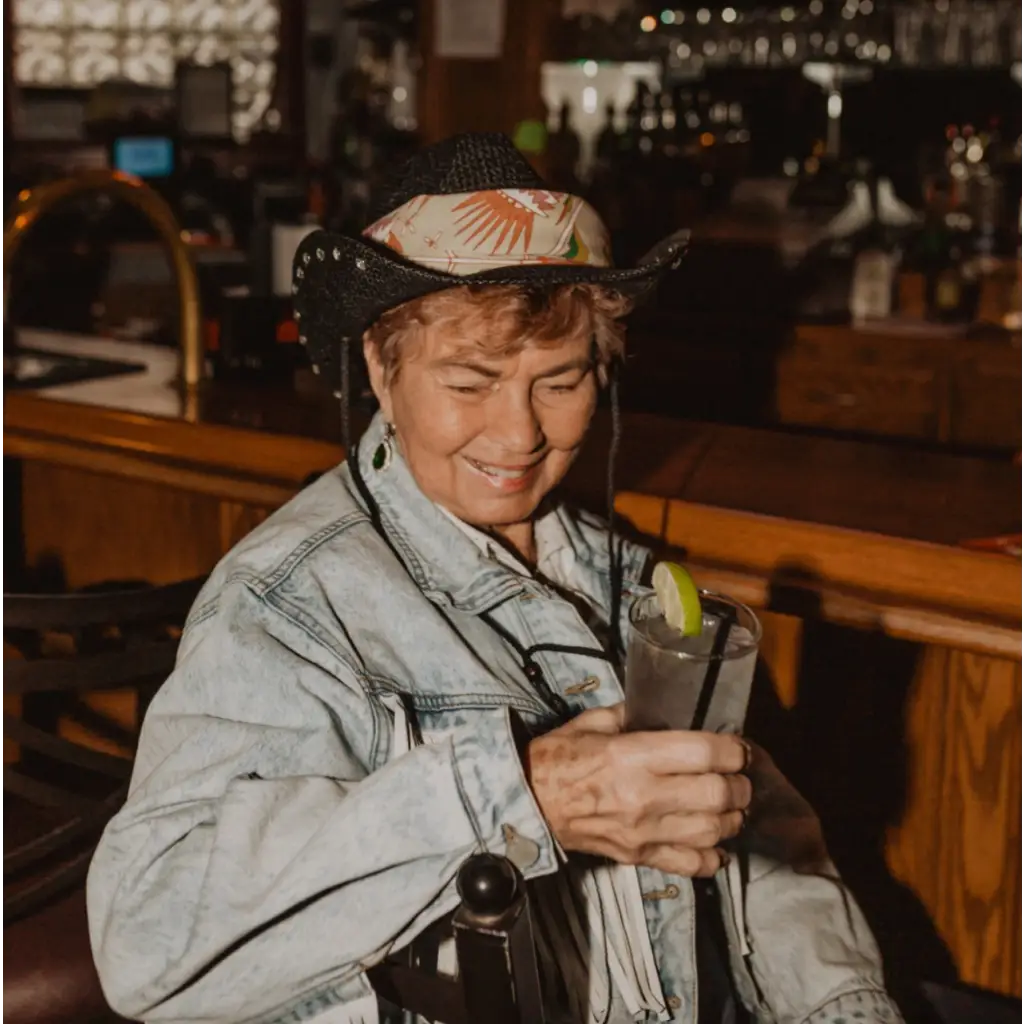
678	598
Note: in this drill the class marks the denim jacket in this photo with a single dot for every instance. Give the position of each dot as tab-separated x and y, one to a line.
273	845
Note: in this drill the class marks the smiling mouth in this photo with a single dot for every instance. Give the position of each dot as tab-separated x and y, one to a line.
504	476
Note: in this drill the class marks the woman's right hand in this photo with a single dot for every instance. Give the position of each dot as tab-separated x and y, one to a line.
661	799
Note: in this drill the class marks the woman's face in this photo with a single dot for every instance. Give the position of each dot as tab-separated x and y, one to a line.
487	436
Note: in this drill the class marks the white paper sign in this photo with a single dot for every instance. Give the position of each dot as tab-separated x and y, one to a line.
469	28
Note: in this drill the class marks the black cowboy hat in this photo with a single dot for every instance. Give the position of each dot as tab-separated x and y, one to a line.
342	284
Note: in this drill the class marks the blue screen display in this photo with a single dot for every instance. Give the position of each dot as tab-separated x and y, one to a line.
145	157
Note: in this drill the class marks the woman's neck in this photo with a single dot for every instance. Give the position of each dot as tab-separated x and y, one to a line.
519	537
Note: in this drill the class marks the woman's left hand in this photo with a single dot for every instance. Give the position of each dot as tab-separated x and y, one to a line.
781	824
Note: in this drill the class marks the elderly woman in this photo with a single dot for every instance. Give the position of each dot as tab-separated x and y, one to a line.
414	660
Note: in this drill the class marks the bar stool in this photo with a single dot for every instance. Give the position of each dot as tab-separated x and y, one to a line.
59	792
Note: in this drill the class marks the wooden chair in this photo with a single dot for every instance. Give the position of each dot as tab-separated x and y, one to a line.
60	791
497	980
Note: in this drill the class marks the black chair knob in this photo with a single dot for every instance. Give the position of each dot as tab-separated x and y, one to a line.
487	884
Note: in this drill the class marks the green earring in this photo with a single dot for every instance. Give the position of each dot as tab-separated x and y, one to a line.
384	451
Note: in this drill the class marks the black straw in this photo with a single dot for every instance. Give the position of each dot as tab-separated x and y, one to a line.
707	688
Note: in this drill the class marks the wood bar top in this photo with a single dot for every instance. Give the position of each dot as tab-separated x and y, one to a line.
279	437
874	487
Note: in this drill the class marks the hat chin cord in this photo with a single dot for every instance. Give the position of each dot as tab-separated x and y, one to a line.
614	542
346	387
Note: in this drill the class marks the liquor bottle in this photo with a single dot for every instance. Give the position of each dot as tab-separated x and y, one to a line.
607	188
665	133
629	140
876	257
609	143
564	152
941	252
649	123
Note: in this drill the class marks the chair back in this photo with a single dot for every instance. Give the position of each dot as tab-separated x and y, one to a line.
59	792
497	981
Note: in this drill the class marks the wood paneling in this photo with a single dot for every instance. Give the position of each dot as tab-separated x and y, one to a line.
940	388
261	457
461	95
910	751
83	526
886	569
958	842
985	396
12	706
98	528
236	520
868	400
854	484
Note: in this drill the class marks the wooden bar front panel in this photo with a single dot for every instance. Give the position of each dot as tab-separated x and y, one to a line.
957	843
907	744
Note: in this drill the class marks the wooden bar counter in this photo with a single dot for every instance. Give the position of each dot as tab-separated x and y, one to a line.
892	654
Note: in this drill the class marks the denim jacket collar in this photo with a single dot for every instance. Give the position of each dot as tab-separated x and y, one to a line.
447	566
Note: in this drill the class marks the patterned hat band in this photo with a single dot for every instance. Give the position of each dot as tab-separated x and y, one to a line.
470	232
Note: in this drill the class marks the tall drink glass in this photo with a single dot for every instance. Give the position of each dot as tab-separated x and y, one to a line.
690	682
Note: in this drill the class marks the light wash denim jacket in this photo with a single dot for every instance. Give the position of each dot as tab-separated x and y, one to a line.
271	847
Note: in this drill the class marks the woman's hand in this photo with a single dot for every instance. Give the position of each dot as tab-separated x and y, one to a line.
782	825
661	799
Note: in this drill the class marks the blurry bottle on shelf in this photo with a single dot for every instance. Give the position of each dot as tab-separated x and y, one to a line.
351	153
374	124
940	253
629	140
951	288
691	116
373	128
608	145
876	250
985	204
665	133
695	37
606	190
564	151
649	122
853	272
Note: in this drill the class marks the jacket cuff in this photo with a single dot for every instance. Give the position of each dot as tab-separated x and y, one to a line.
498	799
867	1006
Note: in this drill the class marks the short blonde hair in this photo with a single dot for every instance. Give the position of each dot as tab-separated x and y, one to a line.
511	318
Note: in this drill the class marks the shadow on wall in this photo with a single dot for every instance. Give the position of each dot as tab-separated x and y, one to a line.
14	540
843	745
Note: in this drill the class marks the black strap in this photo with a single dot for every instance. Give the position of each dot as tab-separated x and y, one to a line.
717	1001
533	672
614	543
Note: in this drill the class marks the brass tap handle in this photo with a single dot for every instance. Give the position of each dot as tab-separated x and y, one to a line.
33	203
